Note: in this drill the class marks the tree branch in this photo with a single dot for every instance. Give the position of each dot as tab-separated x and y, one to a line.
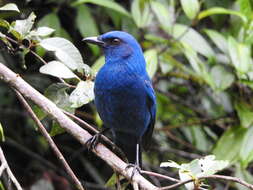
71	127
89	127
50	141
159	175
4	165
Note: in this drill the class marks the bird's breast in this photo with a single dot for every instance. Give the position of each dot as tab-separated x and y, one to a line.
114	78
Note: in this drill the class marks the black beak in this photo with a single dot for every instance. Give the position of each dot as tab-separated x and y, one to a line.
94	40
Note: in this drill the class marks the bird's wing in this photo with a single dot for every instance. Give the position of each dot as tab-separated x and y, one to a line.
151	103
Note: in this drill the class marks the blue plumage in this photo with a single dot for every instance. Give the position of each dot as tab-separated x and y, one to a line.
124	97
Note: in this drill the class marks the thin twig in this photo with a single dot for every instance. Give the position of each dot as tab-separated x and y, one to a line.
197	123
50	141
85	124
9	172
154	179
178	140
229	178
160	176
221	177
184	153
33	155
40	58
176	185
184	103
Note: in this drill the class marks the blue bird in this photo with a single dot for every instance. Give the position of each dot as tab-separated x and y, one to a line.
124	96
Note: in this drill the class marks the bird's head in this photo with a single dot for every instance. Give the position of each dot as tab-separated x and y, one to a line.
116	44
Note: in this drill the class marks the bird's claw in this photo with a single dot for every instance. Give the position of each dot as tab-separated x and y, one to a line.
93	141
135	167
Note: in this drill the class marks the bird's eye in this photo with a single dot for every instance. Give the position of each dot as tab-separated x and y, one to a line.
115	41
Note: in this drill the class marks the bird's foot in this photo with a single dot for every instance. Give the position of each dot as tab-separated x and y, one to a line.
93	141
136	168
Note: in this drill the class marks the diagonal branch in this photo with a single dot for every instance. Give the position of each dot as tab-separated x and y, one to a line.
15	81
50	141
4	165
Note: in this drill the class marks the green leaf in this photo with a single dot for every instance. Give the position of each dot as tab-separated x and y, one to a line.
108	4
161	12
152	61
23	27
229	145
40	33
57	69
247	82
240	55
85	22
221	77
44	31
210	166
218	39
198	66
98	64
220	10
243	174
98	120
83	94
52	21
87	28
200	140
16	34
245	113
56	129
111	181
141	15
246	153
2	133
193	59
40	113
9	7
188	35
2	187
171	164
4	24
190	7
156	39
57	93
245	7
136	12
65	51
217	104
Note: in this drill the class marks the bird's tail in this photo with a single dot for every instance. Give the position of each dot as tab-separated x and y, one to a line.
128	145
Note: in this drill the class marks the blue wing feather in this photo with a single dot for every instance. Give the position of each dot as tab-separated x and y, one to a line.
151	104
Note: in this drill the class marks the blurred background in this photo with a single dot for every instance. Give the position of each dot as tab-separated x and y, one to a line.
199	58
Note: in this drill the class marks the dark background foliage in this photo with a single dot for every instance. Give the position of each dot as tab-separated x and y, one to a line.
201	64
